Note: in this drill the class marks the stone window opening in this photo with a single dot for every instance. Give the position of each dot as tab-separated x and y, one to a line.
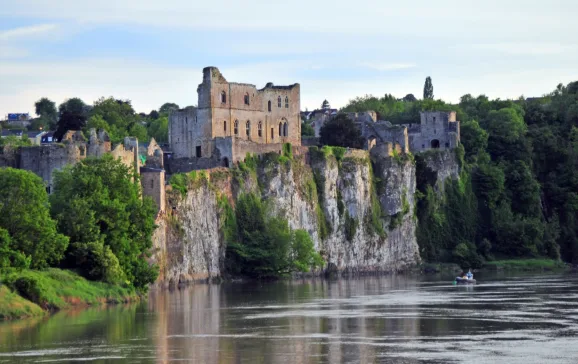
225	126
223	97
269	105
152	183
247	99
434	119
280	129
447	145
186	120
435	144
285	129
236	127
279	101
248	128
198	151
286	102
260	129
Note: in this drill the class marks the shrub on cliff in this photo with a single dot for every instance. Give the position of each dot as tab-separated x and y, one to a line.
28	235
261	245
98	204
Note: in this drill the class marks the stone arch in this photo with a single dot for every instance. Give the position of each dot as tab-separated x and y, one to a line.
435	144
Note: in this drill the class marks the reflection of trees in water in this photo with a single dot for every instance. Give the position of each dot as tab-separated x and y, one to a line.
110	325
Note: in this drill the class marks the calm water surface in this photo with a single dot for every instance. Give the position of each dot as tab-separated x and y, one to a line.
394	319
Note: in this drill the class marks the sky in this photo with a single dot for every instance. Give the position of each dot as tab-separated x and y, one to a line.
152	52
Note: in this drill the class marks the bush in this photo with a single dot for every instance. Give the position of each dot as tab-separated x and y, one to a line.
97	262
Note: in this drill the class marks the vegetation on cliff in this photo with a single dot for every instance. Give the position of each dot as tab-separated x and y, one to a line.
517	196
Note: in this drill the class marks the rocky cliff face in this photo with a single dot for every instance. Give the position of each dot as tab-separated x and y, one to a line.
359	211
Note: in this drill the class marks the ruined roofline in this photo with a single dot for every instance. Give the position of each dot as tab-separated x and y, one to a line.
217	77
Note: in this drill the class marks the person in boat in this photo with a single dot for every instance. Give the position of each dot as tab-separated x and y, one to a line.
470	275
462	275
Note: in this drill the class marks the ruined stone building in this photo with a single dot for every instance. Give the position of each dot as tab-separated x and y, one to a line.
436	130
233	119
44	159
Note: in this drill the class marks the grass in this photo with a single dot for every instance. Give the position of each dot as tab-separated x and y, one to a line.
56	289
525	264
12	306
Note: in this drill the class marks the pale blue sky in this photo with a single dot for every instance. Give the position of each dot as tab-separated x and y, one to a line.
153	51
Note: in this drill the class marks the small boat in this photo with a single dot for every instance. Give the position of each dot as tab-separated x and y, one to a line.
460	280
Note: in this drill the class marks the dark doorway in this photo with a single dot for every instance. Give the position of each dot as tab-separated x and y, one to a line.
198	151
435	144
226	162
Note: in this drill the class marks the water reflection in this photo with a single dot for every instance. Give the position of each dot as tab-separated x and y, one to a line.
392	319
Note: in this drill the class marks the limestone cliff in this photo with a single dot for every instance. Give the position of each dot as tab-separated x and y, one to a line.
359	210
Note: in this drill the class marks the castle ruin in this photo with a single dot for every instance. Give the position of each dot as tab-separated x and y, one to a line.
231	120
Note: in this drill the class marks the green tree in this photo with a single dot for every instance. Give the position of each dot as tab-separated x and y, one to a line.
167	107
428	89
307	130
47	114
24	214
474	139
325	105
409	98
340	131
97	202
73	106
159	129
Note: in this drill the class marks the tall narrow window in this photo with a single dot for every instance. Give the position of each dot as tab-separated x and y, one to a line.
260	129
285	129
280	129
236	127
269	105
223	97
225	126
247	99
248	128
272	133
279	101
286	102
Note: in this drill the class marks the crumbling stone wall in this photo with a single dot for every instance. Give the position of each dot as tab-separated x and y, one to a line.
153	185
437	130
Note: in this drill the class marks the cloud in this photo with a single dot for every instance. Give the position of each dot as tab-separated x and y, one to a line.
26	32
387	66
528	48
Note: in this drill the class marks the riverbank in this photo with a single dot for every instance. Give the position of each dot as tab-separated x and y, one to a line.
30	293
530	265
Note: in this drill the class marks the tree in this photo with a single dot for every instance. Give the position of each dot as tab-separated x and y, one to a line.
97	202
24	215
325	105
73	106
340	131
474	139
69	121
167	107
428	89
154	114
307	130
47	113
409	98
159	129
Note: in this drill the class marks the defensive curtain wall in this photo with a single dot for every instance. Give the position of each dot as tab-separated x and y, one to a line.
44	159
233	119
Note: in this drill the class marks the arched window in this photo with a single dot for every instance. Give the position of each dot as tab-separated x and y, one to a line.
248	127
223	97
247	99
279	101
225	126
286	102
269	105
236	127
280	129
260	129
285	129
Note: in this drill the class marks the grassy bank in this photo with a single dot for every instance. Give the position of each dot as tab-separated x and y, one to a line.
27	291
13	306
526	264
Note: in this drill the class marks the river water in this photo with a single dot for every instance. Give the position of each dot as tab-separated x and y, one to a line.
390	319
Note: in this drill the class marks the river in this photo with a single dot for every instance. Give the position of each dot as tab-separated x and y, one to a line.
506	318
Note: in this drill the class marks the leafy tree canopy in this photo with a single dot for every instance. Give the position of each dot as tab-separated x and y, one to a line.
341	131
